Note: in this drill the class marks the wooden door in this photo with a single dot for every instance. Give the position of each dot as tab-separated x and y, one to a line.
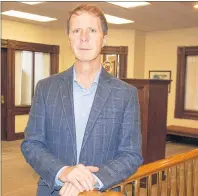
3	94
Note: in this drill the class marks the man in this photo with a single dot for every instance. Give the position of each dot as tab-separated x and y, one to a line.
83	131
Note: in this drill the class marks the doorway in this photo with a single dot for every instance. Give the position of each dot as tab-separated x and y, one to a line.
14	106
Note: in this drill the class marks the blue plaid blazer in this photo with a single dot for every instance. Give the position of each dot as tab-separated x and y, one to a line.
112	139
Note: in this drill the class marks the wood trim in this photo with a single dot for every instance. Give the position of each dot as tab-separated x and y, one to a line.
10	125
15	136
4	43
180	112
190	50
21	110
182	131
4	92
54	60
29	46
34	47
55	49
123	66
182	134
114	50
11	135
145	81
18	136
9	76
98	193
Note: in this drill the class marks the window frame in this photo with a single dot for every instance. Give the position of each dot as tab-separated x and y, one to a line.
180	112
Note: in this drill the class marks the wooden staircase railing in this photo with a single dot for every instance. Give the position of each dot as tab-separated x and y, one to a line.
177	175
98	193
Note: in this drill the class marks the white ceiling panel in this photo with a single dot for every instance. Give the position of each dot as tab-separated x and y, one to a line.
155	17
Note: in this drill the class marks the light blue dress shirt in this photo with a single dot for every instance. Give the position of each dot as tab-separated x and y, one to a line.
83	100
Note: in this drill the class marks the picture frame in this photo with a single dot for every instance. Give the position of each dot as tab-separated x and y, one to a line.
160	75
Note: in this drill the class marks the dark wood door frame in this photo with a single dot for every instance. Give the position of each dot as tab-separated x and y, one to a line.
122	51
12	110
3	94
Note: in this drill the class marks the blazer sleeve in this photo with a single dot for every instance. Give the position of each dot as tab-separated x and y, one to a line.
34	145
129	155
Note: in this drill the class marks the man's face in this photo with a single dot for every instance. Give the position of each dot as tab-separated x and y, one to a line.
86	36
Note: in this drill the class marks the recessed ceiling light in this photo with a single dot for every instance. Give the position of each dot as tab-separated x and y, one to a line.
117	20
28	16
31	2
196	6
128	4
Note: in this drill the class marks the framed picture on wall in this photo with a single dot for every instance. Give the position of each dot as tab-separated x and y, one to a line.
160	75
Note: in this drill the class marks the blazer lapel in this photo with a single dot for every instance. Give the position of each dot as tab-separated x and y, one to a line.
66	91
102	93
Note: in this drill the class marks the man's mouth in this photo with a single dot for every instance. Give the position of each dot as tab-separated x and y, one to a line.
84	49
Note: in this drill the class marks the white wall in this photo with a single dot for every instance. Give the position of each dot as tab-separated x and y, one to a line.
161	54
139	54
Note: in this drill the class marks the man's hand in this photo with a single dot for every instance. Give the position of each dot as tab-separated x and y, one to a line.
69	189
80	176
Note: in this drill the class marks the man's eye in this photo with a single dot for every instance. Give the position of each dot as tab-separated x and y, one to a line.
76	31
93	30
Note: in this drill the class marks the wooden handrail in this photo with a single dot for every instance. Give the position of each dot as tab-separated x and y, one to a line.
147	170
157	166
98	193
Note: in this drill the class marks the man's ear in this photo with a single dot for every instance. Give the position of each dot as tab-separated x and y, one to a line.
69	42
104	40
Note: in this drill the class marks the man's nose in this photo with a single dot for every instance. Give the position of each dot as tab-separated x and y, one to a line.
84	36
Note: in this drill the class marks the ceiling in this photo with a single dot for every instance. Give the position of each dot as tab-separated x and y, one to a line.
155	17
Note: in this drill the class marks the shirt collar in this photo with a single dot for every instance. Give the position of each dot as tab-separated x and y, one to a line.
96	79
